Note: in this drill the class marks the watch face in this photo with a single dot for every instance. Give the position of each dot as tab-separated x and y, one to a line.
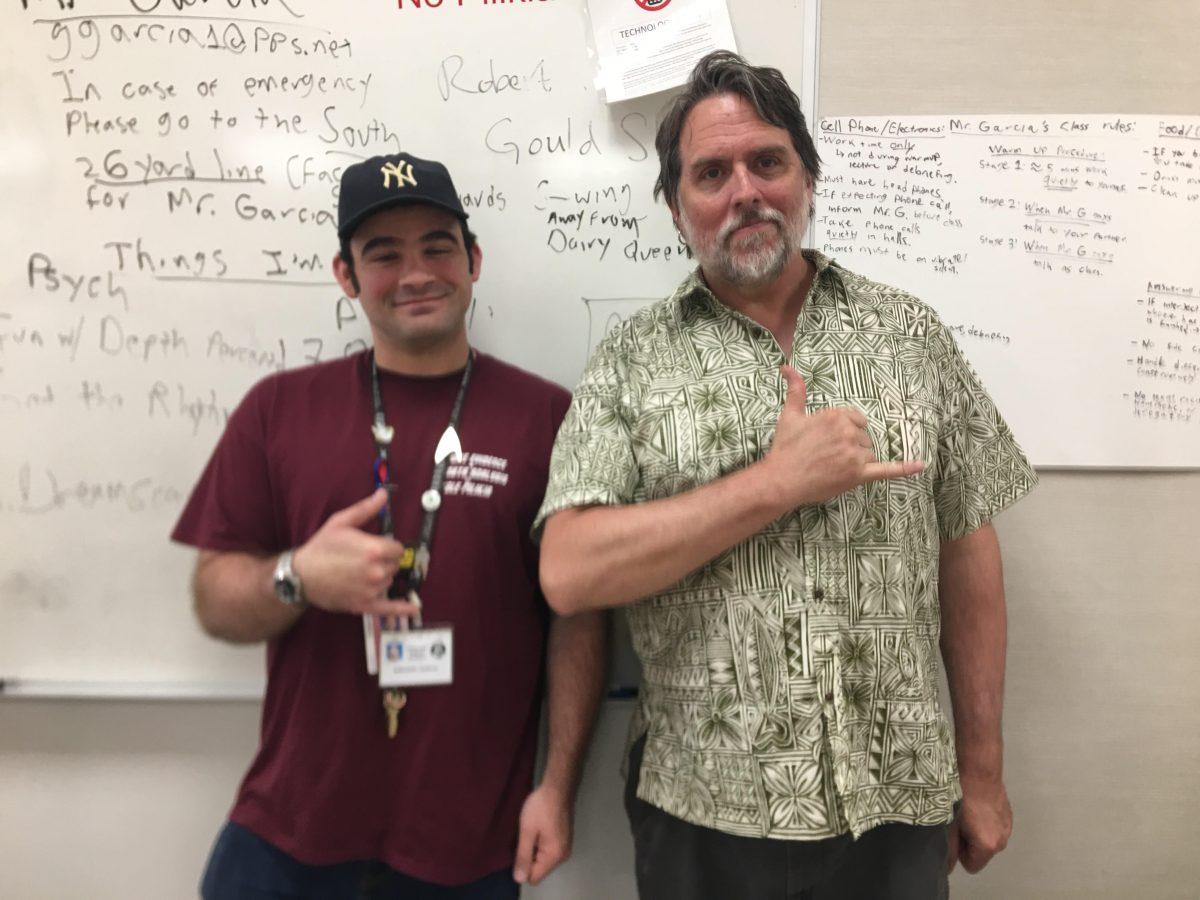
287	582
285	590
287	586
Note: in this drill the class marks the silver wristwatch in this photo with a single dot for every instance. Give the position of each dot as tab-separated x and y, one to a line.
287	583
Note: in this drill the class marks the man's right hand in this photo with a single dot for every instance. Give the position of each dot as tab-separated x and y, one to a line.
815	457
344	569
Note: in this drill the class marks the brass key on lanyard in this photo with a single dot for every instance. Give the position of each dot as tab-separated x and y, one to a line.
394	700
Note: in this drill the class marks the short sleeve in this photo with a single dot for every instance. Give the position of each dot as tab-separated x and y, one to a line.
980	468
592	462
232	506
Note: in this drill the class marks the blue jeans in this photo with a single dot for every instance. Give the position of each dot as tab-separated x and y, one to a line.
243	866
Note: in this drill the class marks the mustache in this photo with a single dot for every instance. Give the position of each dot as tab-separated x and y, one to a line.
751	217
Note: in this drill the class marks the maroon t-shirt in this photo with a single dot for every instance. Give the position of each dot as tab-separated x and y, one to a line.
441	800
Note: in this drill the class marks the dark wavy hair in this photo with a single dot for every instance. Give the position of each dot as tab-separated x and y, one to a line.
723	72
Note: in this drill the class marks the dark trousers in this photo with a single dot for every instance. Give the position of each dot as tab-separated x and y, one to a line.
245	867
679	861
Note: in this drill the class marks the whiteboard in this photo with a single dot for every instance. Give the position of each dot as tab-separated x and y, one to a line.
169	179
1061	250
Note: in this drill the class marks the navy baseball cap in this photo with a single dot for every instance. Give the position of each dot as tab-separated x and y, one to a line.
377	183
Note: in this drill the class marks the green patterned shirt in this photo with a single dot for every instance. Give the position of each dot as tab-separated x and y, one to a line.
790	686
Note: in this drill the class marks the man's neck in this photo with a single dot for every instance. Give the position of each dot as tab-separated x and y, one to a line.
426	362
776	306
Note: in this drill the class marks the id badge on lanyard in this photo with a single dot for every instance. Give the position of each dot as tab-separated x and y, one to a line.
401	655
404	653
416	657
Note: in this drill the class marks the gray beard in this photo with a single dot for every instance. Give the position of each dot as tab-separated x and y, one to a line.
761	259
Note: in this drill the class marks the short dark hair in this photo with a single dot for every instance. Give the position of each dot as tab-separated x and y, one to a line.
348	258
723	72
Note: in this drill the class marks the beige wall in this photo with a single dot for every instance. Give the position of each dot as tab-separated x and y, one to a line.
1102	717
1009	56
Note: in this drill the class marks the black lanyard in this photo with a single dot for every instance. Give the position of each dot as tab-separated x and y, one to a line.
431	500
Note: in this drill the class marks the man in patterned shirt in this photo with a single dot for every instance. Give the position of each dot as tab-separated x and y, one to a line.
786	473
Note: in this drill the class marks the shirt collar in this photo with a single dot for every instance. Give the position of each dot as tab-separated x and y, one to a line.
695	292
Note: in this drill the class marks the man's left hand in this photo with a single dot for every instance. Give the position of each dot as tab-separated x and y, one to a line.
983	825
544	840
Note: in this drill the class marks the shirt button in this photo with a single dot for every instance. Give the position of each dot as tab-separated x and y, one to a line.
818	593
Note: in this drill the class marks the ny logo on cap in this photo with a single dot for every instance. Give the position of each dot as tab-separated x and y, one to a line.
402	173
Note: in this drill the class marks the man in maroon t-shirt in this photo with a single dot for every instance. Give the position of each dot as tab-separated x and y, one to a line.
421	787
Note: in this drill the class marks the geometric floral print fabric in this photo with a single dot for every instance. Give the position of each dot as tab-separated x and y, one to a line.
790	686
